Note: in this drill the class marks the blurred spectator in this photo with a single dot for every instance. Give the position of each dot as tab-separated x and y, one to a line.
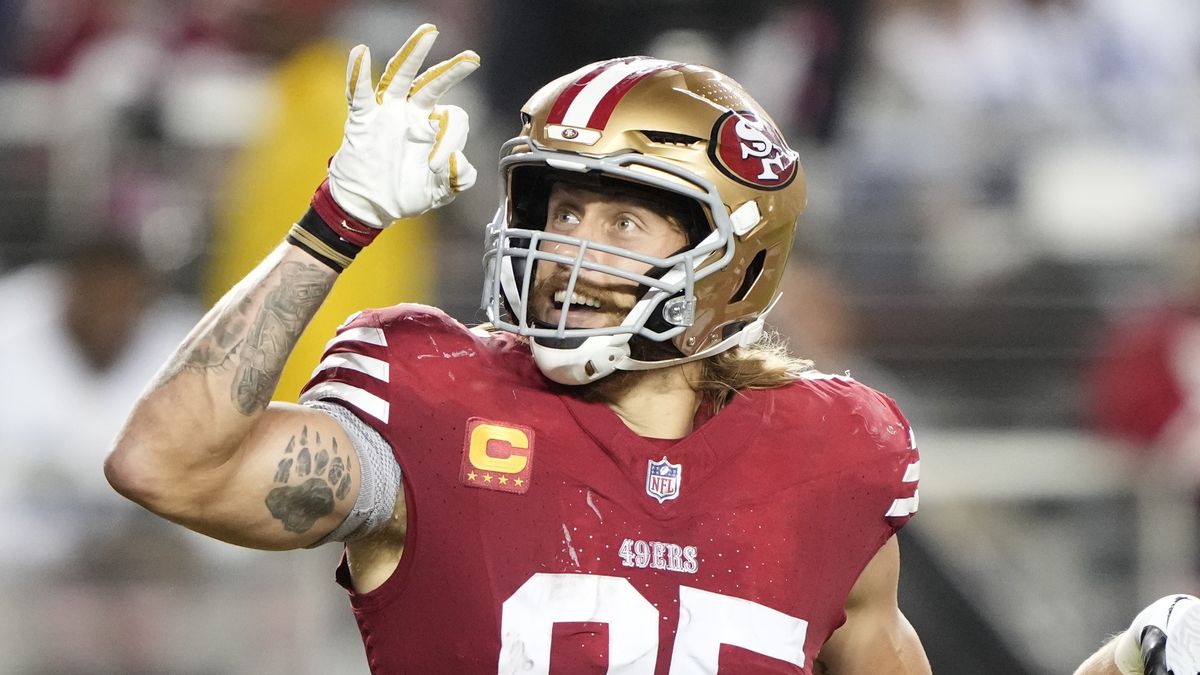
89	583
1145	382
80	338
1001	160
271	181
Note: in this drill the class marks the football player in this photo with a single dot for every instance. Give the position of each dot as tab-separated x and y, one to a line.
617	472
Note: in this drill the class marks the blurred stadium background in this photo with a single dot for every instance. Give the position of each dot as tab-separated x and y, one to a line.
1002	234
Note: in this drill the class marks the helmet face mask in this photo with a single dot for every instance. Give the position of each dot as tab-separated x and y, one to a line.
673	134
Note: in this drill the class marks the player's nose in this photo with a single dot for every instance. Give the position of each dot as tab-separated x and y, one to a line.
592	231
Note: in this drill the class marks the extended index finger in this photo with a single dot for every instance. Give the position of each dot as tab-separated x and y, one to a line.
436	81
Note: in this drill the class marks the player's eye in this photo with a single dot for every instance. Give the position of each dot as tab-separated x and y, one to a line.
627	225
564	220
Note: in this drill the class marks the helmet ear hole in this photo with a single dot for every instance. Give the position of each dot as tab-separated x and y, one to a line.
753	272
668	138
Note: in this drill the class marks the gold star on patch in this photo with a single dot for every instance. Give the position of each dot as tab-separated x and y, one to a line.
504	480
472	476
487	477
518	482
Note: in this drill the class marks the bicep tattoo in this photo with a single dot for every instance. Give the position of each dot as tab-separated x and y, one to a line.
311	478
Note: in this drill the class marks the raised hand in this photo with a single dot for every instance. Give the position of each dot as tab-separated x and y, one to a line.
401	154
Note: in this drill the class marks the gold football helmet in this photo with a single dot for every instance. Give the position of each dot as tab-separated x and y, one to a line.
688	131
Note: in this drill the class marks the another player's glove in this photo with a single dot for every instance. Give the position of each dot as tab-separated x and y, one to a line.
401	154
1164	639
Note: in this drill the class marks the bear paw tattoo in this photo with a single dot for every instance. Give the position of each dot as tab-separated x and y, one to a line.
312	479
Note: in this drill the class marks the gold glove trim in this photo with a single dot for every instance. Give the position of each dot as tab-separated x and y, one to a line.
440	69
354	73
443	119
454	185
401	58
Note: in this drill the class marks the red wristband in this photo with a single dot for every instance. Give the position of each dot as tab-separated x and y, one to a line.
343	224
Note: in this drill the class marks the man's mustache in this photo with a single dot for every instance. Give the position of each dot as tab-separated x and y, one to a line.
612	298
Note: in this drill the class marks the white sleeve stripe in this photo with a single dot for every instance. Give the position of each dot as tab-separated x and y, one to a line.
360	398
366	334
904	507
350	319
376	368
913	472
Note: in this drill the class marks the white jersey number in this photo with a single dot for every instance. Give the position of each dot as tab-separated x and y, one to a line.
706	621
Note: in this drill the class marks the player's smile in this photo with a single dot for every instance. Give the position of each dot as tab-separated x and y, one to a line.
589	306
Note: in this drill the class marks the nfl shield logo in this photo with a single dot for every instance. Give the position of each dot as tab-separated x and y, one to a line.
662	479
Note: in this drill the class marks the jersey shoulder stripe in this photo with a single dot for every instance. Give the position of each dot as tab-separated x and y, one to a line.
368	365
865	428
355	370
356	397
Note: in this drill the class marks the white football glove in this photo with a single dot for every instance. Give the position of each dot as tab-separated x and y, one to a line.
1164	639
402	152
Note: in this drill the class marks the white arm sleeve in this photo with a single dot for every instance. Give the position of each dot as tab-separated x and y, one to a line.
379	483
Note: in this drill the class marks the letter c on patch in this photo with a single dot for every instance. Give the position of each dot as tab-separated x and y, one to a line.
482	437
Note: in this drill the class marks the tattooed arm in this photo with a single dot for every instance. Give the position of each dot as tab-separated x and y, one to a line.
203	446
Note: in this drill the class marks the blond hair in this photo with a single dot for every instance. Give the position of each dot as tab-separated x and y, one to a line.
763	365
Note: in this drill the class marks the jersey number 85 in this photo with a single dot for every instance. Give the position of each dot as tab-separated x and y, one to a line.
707	620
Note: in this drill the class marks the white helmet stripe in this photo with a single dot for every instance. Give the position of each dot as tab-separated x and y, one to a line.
594	103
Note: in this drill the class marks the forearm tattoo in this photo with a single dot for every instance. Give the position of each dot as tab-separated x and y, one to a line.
218	344
256	342
278	325
311	479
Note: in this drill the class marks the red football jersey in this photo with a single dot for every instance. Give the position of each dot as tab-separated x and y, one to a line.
545	536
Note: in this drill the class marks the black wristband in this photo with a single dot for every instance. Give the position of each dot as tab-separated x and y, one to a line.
314	236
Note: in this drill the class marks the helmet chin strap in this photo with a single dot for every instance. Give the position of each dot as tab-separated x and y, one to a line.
748	335
597	357
743	338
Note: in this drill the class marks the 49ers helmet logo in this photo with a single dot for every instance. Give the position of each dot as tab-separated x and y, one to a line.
751	151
